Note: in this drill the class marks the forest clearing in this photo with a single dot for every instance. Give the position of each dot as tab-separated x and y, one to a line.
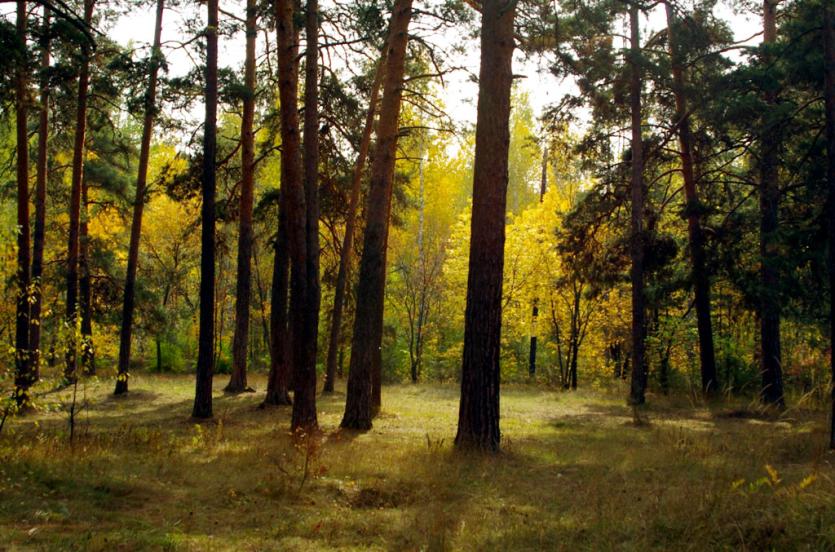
576	474
417	275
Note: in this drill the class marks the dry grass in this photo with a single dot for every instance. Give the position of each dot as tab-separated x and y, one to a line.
576	473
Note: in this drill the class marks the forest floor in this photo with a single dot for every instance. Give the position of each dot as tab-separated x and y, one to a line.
576	473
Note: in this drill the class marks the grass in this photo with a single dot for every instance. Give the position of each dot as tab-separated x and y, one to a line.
575	474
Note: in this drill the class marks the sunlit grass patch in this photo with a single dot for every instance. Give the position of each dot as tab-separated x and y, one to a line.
575	473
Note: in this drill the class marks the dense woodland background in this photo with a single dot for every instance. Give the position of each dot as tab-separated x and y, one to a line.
667	223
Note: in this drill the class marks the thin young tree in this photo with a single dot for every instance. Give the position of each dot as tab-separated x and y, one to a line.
636	237
769	190
208	182
129	300
39	235
88	359
243	294
478	415
368	319
701	281
73	244
350	224
23	362
304	380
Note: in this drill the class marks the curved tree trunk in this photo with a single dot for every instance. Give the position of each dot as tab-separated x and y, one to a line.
701	281
304	380
770	360
478	414
39	237
636	240
138	208
243	295
368	320
24	376
75	203
208	181
350	224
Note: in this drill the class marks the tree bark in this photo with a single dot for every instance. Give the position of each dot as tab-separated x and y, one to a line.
350	224
243	294
278	379
75	201
478	415
701	281
208	181
304	382
138	208
368	319
88	357
829	94
770	360
636	240
24	376
293	192
39	237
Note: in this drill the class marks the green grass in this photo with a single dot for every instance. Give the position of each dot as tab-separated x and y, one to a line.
575	474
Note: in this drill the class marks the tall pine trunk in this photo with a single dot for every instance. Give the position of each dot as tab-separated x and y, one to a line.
478	415
39	237
243	294
23	362
829	93
88	357
293	193
73	243
208	181
368	320
350	224
770	360
138	208
701	282
636	239
304	380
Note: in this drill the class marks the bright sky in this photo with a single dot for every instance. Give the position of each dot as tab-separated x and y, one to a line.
460	92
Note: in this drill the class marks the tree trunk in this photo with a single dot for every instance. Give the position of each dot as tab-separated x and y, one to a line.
243	294
478	415
265	326
636	240
829	94
368	320
701	282
208	181
278	380
159	353
770	362
575	337
88	357
543	185
24	376
291	177
138	208
304	382
75	202
350	223
40	206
